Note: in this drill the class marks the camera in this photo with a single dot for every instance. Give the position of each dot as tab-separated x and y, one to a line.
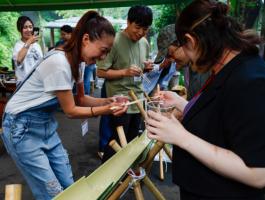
36	31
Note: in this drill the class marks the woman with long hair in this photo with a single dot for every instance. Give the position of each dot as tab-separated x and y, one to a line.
29	126
26	51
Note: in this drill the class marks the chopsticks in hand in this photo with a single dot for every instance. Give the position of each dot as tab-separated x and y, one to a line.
127	103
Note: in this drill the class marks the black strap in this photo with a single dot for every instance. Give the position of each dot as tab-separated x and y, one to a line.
50	53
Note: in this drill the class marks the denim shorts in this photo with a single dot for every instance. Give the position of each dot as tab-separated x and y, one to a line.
32	141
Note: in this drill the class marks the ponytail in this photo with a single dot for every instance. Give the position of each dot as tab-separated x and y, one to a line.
95	26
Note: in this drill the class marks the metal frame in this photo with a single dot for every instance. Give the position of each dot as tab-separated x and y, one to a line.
18	5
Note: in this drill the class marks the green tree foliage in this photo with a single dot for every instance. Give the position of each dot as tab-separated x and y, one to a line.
70	13
8	36
113	12
116	13
49	15
167	14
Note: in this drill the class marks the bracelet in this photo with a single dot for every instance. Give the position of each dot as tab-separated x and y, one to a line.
92	113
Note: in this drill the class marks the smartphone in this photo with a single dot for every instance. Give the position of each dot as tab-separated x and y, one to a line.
36	31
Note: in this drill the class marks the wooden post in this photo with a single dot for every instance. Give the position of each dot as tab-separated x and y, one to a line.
118	192
168	152
161	167
138	191
122	136
13	192
152	188
151	154
139	105
114	145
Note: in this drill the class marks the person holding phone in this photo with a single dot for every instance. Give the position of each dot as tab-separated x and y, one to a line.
29	125
36	31
26	51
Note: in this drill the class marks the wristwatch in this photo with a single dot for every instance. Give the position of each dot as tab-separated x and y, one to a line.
26	45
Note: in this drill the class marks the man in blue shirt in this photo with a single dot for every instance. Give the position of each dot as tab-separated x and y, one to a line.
171	59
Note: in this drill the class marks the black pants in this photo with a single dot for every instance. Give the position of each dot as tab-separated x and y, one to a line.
132	125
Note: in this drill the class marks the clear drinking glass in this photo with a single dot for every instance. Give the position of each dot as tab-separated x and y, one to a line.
160	107
121	98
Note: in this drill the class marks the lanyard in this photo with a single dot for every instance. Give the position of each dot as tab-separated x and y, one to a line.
211	78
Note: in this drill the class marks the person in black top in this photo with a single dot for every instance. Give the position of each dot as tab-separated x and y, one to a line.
219	146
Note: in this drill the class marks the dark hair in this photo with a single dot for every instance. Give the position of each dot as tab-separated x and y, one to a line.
95	26
140	15
214	30
66	28
21	21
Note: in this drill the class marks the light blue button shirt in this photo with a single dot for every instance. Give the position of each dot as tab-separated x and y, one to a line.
153	77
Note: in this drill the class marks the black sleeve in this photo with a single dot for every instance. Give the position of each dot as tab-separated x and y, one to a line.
244	119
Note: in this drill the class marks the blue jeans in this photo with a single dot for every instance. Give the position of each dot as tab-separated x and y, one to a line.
87	75
105	131
32	141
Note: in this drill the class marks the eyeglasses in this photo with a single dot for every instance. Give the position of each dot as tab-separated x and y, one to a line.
171	51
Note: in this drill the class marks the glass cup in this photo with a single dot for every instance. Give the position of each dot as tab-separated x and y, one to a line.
121	98
160	107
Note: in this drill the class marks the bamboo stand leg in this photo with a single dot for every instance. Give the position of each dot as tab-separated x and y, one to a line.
119	191
148	168
152	188
114	145
151	154
122	136
13	192
138	191
168	152
161	167
139	105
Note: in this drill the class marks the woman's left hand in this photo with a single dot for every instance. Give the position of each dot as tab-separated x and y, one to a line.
109	100
117	109
164	129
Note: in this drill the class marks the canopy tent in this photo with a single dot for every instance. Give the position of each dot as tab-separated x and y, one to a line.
72	21
18	5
